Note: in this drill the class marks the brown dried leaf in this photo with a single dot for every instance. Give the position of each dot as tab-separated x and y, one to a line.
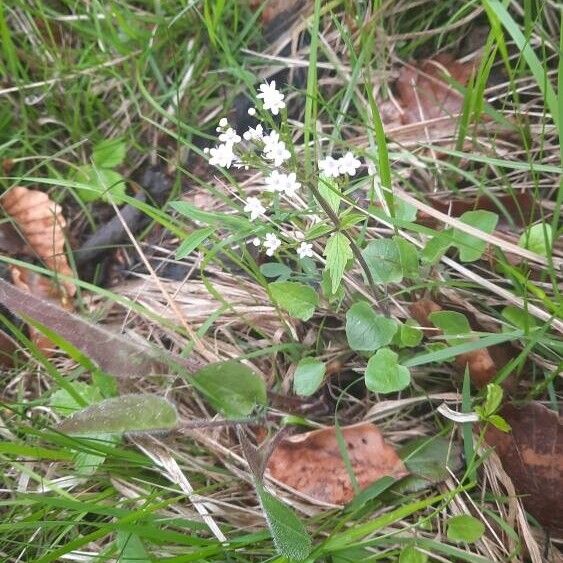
311	463
482	368
43	287
41	223
276	9
425	101
532	456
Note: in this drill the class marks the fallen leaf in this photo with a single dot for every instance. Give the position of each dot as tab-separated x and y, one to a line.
42	224
8	346
482	368
113	353
43	287
532	456
425	101
311	463
277	9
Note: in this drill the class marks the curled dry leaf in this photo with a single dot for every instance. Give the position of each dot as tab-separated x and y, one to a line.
480	363
311	463
43	287
41	223
532	456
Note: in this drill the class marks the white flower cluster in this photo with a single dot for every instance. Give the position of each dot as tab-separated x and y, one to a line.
275	151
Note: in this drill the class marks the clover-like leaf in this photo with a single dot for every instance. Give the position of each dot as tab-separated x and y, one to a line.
298	299
384	374
308	376
367	330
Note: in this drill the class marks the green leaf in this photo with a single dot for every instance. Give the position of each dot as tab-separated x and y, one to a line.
471	248
288	532
436	247
411	555
384	260
452	324
431	458
409	334
367	330
131	548
308	376
404	211
408	255
326	285
493	399
232	222
109	153
298	299
538	238
128	413
86	462
63	403
192	241
337	253
101	182
465	528
518	317
349	219
499	422
330	191
231	388
384	374
275	270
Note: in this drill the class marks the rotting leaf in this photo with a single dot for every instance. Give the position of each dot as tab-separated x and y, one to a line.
42	224
532	456
113	353
128	413
312	464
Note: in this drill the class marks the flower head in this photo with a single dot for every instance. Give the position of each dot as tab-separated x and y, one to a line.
229	136
305	250
329	167
273	99
251	111
255	133
222	155
348	164
283	183
256	241
223	122
254	207
271	243
277	152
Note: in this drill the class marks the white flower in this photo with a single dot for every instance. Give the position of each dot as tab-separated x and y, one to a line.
273	100
223	122
278	153
256	133
254	207
222	155
270	140
229	136
275	181
256	241
305	250
251	111
329	167
348	164
271	243
206	150
290	184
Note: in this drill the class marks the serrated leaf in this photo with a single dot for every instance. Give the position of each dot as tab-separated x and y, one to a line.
330	191
128	413
384	261
192	241
498	422
464	528
109	153
308	376
101	181
538	238
384	374
367	330
471	248
298	299
231	388
288	532
337	252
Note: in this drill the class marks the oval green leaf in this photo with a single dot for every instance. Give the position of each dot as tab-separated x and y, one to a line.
384	260
308	376
384	374
128	413
367	330
231	388
465	528
298	299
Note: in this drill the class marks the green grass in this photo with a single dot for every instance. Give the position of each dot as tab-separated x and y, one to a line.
160	75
